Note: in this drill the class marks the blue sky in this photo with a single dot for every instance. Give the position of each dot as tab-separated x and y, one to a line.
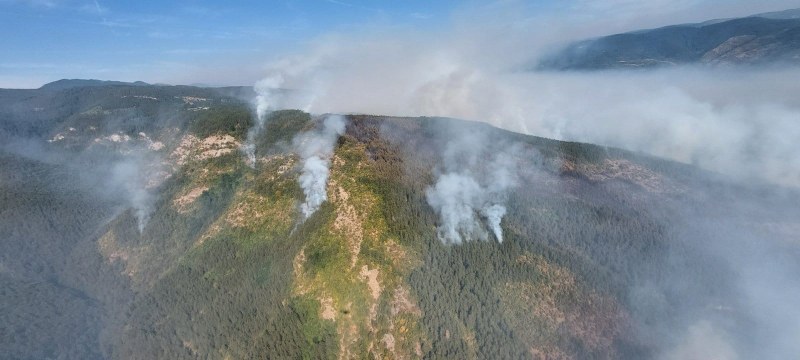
49	39
184	41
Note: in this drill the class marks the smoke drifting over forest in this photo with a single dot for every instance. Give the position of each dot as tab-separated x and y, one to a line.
192	222
316	149
127	179
741	122
738	121
470	192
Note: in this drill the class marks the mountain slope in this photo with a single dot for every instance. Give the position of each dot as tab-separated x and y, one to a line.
165	242
760	39
64	84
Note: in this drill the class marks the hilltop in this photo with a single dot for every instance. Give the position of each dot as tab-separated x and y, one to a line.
133	226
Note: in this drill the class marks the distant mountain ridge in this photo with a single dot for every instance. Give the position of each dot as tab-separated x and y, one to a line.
32	112
769	38
785	14
74	83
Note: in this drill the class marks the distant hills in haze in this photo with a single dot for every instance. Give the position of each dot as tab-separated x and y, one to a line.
64	84
30	112
769	38
74	83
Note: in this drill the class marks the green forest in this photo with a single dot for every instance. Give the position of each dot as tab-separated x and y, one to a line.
226	268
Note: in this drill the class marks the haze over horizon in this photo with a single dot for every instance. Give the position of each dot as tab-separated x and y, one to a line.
578	179
208	43
472	60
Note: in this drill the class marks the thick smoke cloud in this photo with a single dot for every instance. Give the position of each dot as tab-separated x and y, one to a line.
460	200
316	150
470	193
457	199
755	318
740	122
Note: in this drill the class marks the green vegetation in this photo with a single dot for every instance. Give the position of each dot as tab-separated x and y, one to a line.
223	120
280	127
320	334
226	268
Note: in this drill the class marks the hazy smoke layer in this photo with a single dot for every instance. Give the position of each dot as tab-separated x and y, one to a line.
702	341
316	150
470	195
130	178
127	177
740	122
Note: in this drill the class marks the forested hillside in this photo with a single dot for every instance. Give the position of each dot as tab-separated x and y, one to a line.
772	38
132	226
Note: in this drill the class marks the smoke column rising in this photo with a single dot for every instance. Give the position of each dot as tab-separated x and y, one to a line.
128	177
265	102
494	215
741	122
316	150
460	202
469	196
133	177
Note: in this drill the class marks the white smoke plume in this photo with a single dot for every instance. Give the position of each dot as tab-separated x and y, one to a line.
739	122
461	203
470	195
742	122
316	149
130	178
265	102
266	98
494	215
